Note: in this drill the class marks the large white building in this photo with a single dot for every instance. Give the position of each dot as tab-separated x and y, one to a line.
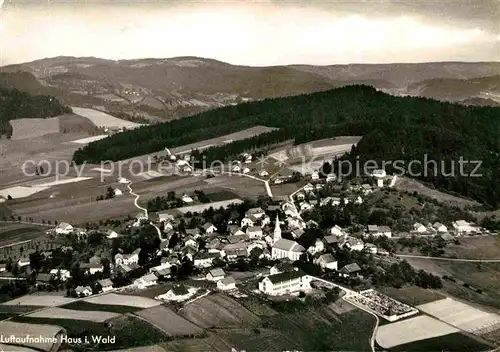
285	283
462	226
64	228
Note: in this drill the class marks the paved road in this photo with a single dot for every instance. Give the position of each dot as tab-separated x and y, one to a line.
449	259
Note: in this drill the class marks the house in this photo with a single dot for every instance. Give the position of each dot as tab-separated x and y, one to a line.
205	260
256	212
64	228
254	232
350	270
300	196
312	224
146	281
235	254
263	173
246	170
3	268
165	217
236	168
354	244
92	268
448	238
43	279
234	230
462	226
379	173
327	261
176	293
23	261
83	291
331	178
366	189
162	272
238	238
227	283
189	241
127	258
297	233
248	221
187	199
208	227
331	241
308	188
315	175
106	285
304	206
285	283
118	192
215	274
337	231
281	267
439	227
318	246
418	227
378	231
111	234
371	248
188	252
284	248
195	233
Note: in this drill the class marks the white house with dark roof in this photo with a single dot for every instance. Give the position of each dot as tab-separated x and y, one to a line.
208	227
418	227
354	244
284	248
215	274
146	281
64	228
318	246
257	212
440	227
337	231
226	284
106	285
206	259
462	226
352	269
254	232
83	291
177	293
378	231
111	234
248	221
327	261
165	217
285	283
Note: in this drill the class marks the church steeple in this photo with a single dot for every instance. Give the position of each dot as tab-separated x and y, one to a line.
277	230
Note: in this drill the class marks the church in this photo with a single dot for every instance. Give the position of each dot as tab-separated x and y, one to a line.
283	248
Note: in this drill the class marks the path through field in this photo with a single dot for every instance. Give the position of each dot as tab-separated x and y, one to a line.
136	200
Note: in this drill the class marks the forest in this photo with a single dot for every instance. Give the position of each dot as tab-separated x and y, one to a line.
393	128
15	104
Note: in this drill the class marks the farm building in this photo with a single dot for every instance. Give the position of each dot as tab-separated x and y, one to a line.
83	291
439	227
354	244
146	281
228	283
327	261
209	228
215	274
106	285
378	231
352	269
176	293
254	232
418	227
285	283
462	226
63	274
205	260
127	258
63	228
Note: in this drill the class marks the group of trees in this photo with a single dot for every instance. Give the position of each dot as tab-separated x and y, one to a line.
393	128
15	104
110	194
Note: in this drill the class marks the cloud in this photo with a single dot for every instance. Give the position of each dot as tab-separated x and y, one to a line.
249	34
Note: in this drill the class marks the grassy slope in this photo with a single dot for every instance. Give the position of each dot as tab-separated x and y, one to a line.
456	342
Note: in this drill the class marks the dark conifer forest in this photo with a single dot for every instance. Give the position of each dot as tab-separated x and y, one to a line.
393	128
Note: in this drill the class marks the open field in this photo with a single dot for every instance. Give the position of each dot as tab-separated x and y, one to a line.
461	315
13	233
87	306
129	332
410	330
455	342
169	322
21	191
8	328
218	311
89	139
123	300
483	276
62	313
29	128
412	295
250	340
243	186
198	208
40	300
102	119
476	247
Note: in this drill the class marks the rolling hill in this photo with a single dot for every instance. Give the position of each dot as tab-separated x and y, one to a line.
393	128
163	89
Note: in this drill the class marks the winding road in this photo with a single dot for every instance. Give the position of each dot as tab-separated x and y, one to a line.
136	203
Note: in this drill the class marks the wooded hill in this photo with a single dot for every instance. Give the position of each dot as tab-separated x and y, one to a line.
15	104
394	128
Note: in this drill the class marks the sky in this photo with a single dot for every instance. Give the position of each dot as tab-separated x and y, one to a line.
255	33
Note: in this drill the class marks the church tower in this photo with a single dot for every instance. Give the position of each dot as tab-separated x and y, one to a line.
277	230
